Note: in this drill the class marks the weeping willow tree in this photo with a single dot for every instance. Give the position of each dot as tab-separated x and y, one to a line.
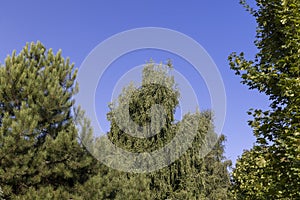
142	120
151	107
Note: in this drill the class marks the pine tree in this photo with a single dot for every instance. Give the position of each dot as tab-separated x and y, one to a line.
38	137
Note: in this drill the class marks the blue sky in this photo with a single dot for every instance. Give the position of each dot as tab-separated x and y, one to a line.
77	27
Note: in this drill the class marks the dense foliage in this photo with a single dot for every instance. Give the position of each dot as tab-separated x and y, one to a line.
192	176
41	155
271	170
39	150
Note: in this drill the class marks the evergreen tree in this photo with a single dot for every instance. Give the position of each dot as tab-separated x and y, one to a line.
39	149
271	169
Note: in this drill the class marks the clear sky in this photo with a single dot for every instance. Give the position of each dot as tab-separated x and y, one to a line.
77	27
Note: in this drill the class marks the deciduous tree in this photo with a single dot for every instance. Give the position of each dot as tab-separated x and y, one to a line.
271	170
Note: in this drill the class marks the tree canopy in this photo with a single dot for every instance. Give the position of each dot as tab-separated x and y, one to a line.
192	176
271	169
39	149
42	135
